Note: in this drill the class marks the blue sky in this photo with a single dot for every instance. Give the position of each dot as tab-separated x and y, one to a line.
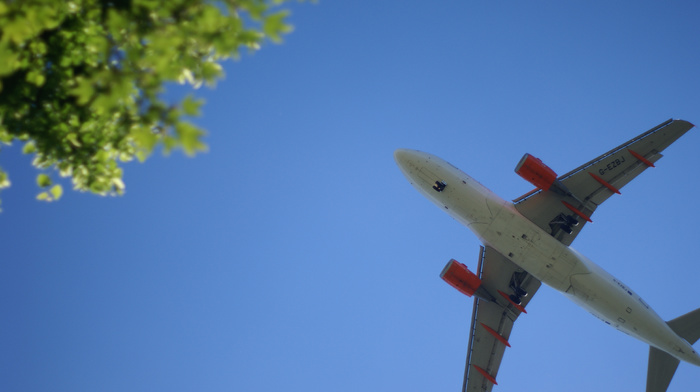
295	256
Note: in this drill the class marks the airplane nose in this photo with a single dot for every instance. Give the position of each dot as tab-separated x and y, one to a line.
400	155
403	155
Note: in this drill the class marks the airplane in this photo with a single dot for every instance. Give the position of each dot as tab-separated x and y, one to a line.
527	242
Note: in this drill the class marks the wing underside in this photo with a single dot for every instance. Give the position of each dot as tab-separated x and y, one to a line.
563	214
492	321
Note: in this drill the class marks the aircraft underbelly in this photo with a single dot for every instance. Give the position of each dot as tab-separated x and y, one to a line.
566	270
527	245
584	282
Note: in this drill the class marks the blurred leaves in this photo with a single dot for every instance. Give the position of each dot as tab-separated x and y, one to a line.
82	81
43	180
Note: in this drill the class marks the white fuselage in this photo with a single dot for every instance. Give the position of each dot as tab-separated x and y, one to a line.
499	225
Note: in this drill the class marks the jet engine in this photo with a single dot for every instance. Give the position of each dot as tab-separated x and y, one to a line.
535	172
459	277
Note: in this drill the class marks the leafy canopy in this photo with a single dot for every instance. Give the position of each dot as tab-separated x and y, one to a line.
81	81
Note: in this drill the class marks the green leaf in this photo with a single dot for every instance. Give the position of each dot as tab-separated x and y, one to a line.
190	137
211	71
43	180
56	191
10	59
118	185
190	106
4	179
274	26
73	139
83	91
35	77
43	196
83	86
29	148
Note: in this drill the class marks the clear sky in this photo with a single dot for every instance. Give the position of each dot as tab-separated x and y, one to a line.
295	256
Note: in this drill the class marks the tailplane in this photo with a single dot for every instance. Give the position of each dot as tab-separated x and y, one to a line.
662	366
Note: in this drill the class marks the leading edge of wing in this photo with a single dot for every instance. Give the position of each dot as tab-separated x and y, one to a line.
681	127
590	184
492	321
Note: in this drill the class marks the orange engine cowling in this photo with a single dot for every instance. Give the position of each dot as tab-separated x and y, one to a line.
459	277
535	172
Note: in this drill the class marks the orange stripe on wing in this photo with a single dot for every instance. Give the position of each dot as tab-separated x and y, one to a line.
641	158
519	307
495	334
607	184
485	374
577	212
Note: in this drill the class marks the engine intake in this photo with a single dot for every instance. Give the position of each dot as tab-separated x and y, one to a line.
459	277
535	172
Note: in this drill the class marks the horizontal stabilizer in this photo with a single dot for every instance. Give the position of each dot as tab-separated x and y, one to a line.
662	367
687	326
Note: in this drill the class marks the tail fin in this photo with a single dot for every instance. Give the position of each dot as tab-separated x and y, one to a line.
662	366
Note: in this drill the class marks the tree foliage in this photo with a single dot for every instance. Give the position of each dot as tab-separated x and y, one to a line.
82	81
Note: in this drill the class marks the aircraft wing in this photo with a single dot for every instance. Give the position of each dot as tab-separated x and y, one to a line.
492	321
590	184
